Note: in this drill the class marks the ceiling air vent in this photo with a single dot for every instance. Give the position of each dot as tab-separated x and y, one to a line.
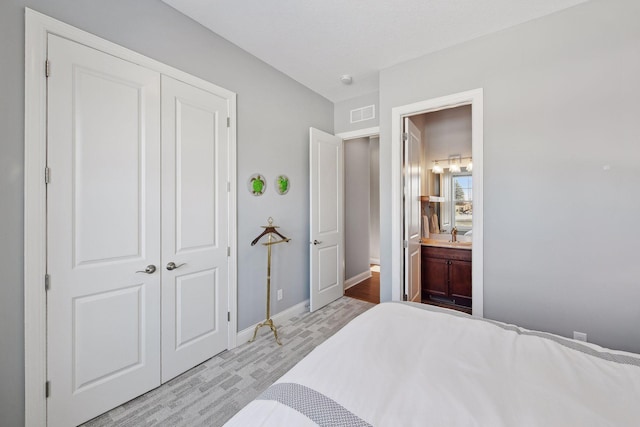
363	113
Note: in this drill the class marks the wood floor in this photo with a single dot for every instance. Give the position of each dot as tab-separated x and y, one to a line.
367	290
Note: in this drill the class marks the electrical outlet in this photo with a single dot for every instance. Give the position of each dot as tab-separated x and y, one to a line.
279	294
580	336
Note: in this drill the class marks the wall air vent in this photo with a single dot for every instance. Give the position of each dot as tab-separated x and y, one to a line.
363	113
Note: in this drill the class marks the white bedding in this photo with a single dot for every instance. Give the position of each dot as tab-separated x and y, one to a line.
404	365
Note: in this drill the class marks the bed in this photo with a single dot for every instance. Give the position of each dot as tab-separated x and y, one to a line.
406	364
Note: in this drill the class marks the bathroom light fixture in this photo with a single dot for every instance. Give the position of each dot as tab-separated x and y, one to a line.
454	163
437	168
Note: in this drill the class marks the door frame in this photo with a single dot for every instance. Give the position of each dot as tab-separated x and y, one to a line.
37	28
360	133
475	99
355	134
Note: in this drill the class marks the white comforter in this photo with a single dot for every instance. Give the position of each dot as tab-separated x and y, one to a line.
401	365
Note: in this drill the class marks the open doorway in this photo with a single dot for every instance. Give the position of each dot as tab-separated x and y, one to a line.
362	218
400	263
438	161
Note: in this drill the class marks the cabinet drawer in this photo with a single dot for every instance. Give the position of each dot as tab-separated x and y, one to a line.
446	253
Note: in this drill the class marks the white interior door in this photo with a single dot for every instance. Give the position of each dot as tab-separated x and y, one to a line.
412	251
326	162
103	221
194	223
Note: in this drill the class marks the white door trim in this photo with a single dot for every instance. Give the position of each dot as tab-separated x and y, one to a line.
475	99
37	29
360	133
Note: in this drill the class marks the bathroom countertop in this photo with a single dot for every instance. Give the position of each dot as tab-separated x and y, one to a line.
445	244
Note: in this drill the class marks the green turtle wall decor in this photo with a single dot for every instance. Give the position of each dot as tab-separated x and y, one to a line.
257	184
282	184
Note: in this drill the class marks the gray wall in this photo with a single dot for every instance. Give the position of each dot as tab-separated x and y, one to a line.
356	206
374	200
274	116
560	102
444	133
342	113
448	132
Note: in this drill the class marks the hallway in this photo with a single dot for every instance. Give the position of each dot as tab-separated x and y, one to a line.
367	290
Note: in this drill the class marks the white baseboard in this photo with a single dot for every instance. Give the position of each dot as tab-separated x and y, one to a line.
246	334
357	279
375	261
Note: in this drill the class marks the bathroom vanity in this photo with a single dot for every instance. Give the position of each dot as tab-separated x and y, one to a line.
446	273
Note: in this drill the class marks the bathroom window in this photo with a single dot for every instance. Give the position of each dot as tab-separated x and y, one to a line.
462	197
457	208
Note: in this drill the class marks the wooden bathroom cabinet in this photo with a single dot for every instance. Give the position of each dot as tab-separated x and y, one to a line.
446	275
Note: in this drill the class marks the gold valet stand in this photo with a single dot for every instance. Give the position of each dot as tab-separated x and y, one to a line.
270	230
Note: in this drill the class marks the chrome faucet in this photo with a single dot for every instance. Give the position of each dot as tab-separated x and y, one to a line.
454	234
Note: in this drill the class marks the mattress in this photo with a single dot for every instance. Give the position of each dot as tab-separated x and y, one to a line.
404	364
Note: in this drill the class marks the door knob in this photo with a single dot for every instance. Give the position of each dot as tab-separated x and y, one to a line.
149	270
172	265
315	242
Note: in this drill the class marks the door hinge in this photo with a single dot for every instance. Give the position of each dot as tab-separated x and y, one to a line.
228	186
228	250
228	122
405	244
228	316
47	175
47	389
405	136
47	282
47	68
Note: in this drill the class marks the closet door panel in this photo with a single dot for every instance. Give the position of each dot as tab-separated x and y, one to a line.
194	223
103	226
196	165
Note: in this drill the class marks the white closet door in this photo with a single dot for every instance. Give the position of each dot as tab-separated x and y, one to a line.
195	222
103	220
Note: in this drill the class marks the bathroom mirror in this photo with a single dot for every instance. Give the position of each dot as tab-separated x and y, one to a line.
456	208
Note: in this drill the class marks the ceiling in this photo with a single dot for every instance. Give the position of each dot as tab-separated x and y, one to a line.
315	42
